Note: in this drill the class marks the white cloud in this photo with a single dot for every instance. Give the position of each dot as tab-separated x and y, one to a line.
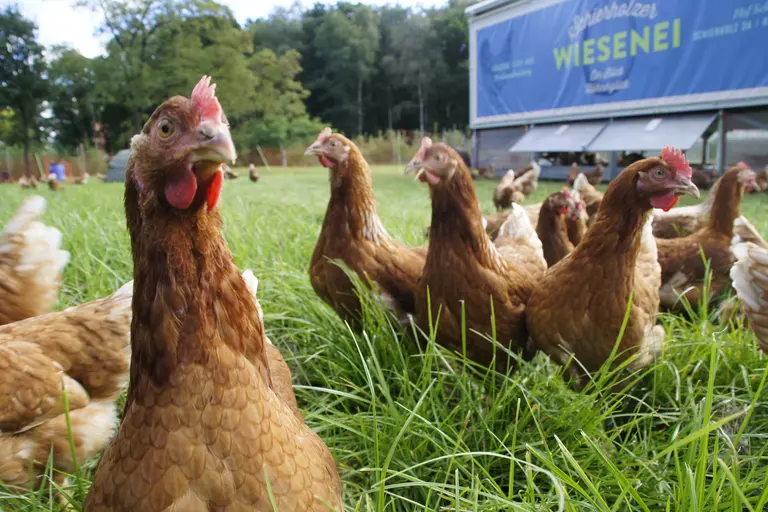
60	23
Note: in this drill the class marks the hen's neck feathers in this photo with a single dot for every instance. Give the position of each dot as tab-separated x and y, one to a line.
614	238
726	205
553	232
457	220
188	295
352	205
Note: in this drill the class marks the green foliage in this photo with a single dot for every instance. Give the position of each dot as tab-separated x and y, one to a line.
73	105
362	69
22	76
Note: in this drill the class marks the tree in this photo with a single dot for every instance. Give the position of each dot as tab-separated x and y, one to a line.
280	117
22	76
346	42
72	81
419	59
281	32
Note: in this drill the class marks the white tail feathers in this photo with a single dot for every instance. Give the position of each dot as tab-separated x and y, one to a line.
125	291
580	182
252	282
750	280
744	231
519	227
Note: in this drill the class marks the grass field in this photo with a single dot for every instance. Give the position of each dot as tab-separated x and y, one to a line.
409	432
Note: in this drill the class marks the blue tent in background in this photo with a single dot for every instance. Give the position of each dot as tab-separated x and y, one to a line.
57	169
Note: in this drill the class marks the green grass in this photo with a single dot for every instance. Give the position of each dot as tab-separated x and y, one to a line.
410	432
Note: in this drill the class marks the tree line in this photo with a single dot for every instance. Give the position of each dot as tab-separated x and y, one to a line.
361	69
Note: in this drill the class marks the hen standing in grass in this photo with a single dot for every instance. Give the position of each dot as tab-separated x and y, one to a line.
552	226
579	306
84	350
31	261
464	267
682	266
578	220
353	234
203	428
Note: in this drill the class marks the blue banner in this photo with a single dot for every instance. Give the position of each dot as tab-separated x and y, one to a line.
589	55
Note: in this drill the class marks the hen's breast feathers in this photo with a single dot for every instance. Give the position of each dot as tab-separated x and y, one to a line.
31	263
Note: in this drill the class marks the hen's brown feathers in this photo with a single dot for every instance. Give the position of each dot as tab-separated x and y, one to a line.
579	306
83	350
464	268
203	427
31	262
353	234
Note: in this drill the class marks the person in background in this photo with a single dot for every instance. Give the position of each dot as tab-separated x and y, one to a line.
57	170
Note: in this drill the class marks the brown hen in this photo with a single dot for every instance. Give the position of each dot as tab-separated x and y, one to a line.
353	234
552	226
579	306
464	268
682	266
203	428
84	350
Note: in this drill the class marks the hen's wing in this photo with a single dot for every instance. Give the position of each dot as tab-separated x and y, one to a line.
30	264
32	387
750	280
90	342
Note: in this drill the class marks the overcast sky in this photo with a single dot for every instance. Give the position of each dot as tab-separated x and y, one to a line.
59	23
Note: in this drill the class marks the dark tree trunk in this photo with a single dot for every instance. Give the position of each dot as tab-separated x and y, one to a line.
136	121
25	130
360	106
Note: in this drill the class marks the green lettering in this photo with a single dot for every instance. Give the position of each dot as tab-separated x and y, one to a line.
576	53
605	50
563	57
660	36
619	45
676	33
643	42
589	52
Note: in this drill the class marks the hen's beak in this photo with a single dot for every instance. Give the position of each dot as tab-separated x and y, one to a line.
314	149
215	144
684	186
414	167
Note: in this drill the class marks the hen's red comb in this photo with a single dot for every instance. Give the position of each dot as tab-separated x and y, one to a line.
426	143
204	98
676	161
324	134
743	165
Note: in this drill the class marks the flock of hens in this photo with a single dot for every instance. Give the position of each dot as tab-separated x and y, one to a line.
210	421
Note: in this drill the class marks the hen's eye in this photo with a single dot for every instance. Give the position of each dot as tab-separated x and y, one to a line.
334	143
659	173
166	128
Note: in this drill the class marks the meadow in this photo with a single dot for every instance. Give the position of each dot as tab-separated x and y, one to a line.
413	427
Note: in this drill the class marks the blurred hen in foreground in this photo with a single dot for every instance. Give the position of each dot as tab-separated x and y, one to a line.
84	351
31	262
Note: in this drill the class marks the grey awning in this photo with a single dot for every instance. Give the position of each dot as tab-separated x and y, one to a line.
652	133
558	137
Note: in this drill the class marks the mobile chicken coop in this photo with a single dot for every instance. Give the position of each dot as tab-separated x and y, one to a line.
559	80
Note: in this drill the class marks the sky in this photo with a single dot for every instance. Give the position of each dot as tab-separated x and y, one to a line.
59	22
